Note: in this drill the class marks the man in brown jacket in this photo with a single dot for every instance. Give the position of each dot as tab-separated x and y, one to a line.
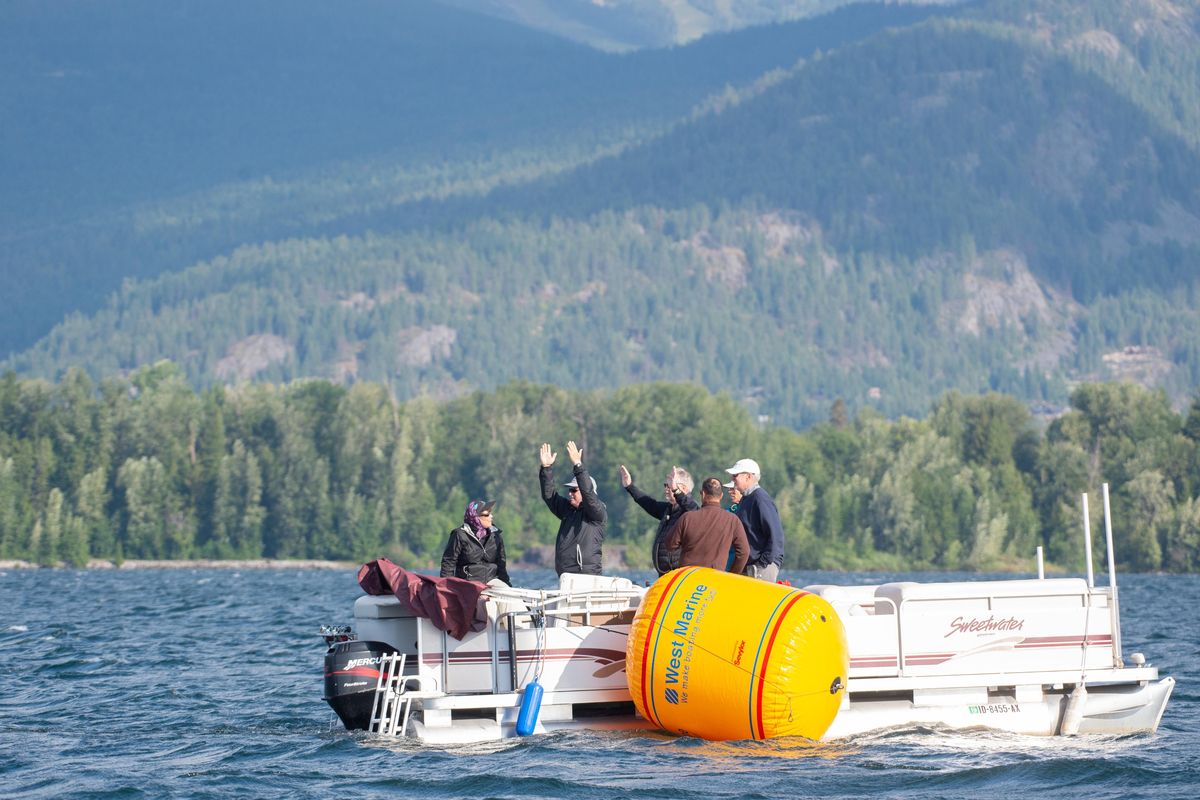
705	535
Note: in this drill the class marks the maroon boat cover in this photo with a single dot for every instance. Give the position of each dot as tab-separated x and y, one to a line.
451	604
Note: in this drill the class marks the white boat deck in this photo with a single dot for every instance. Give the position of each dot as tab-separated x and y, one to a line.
971	628
998	654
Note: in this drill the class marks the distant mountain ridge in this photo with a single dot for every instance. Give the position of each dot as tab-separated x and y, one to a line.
947	134
965	202
142	138
626	25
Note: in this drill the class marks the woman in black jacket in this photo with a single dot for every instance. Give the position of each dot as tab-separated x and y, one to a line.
476	548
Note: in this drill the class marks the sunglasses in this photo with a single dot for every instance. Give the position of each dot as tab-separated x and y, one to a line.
573	490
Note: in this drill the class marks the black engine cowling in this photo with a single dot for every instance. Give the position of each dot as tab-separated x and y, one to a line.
351	675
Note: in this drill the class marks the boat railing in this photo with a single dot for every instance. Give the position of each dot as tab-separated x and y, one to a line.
562	607
586	605
1114	610
909	629
589	610
1060	611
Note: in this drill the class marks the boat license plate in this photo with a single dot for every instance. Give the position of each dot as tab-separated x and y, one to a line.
996	708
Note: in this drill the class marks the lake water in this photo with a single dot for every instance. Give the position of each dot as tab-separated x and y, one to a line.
207	683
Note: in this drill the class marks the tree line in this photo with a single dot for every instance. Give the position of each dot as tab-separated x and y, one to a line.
145	466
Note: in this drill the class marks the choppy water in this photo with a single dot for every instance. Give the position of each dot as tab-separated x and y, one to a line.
207	684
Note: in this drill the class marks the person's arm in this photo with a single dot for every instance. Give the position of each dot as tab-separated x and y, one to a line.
501	558
685	501
675	535
557	504
741	549
655	508
593	509
744	515
450	556
769	517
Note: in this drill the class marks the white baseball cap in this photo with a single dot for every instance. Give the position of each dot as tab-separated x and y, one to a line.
745	465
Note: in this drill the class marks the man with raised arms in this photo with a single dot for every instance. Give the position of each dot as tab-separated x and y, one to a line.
581	515
677	488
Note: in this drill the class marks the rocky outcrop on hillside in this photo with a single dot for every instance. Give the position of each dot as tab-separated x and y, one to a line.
1000	292
250	356
423	345
1143	365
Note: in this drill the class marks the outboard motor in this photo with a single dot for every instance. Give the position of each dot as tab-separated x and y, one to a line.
351	675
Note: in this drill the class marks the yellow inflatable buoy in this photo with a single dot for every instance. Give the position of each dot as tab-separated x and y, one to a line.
722	656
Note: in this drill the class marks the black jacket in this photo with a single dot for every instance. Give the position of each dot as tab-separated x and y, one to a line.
581	530
467	557
667	515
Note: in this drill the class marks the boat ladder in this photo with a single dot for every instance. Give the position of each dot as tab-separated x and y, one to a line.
394	693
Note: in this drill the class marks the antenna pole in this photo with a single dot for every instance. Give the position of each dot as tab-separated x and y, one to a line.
1087	543
1114	609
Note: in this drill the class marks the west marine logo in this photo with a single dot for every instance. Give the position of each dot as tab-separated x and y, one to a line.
672	696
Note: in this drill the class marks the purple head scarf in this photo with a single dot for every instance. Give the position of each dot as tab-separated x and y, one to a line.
472	520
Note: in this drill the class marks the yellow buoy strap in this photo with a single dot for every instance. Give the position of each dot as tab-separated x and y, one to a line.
650	652
761	659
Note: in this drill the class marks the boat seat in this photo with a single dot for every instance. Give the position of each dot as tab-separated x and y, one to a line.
1034	593
500	603
574	583
853	601
383	606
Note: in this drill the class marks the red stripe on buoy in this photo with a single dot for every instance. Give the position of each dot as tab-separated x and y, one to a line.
760	731
662	598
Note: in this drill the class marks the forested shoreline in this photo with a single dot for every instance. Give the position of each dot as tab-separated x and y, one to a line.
146	467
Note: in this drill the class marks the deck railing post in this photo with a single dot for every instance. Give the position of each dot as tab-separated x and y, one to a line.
1114	609
1087	544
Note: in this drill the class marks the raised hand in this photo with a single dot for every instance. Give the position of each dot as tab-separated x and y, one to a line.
546	456
574	453
626	478
676	477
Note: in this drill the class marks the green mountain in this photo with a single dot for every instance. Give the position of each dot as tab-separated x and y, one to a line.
141	138
1001	200
920	139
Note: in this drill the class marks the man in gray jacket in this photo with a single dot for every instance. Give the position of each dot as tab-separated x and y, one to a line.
582	516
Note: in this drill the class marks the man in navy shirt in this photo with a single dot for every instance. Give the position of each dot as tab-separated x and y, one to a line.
760	517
